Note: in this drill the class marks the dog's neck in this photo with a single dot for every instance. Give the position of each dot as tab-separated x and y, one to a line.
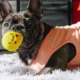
30	47
47	28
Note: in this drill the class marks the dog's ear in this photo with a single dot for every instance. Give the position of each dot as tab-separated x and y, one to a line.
5	10
35	6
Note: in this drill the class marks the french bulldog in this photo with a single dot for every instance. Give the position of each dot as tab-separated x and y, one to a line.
34	31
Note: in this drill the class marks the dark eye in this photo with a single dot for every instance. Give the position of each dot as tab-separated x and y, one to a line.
27	21
6	25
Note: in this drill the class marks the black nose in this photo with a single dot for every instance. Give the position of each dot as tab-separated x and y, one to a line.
17	27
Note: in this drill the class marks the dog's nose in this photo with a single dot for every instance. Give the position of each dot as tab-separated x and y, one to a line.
17	27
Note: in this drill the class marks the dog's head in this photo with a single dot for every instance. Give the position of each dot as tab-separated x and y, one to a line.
22	21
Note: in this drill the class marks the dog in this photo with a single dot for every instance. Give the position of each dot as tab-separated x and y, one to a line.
36	33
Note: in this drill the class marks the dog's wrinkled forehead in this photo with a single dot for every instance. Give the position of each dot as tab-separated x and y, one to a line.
19	15
24	14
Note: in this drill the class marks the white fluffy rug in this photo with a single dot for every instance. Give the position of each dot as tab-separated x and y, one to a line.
11	68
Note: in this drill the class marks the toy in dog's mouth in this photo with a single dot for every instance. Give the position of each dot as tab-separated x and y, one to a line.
12	40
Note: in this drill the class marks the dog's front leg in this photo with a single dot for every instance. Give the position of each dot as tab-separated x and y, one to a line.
50	70
45	70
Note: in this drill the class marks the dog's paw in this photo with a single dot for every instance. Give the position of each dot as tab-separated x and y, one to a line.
45	71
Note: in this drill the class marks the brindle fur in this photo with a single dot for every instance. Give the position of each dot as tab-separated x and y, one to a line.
28	23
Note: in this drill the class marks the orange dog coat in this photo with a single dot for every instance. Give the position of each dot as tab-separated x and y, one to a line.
56	38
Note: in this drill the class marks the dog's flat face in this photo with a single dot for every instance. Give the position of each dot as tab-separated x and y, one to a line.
22	22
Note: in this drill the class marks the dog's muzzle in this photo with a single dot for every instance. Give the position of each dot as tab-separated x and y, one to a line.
17	27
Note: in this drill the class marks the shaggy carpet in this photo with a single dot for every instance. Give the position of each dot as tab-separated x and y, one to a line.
11	68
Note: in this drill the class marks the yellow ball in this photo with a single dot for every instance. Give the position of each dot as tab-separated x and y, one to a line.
11	40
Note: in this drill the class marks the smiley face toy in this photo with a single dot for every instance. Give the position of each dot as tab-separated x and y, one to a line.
12	40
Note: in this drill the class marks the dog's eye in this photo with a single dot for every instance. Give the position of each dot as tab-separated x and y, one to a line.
6	25
27	21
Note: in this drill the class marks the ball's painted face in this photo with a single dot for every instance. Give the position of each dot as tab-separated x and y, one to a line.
12	40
